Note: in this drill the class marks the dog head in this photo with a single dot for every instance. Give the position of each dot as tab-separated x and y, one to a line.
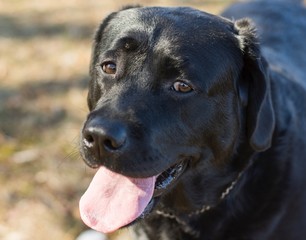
173	93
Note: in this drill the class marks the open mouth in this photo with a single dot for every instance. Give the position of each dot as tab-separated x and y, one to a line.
168	178
113	201
163	183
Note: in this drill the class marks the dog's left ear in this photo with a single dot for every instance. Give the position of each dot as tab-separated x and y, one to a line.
254	88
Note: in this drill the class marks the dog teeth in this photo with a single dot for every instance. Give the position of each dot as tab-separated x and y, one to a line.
168	176
179	168
165	183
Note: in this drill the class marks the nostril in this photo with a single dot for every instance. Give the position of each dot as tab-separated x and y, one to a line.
108	144
88	140
113	144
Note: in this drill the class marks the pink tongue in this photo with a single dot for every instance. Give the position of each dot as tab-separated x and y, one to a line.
113	200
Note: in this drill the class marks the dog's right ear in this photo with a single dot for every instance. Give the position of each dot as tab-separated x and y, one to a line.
130	6
254	88
94	90
107	19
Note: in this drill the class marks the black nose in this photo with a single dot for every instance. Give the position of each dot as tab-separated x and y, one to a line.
101	137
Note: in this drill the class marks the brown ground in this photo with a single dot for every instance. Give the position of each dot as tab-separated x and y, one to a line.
44	55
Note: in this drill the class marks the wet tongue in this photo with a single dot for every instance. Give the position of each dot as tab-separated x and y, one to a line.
113	200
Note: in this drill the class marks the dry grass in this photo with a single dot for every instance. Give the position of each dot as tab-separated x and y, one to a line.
45	50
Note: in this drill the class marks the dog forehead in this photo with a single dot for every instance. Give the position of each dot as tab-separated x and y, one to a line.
170	29
164	14
179	21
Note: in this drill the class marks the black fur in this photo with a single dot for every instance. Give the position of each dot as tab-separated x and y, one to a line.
242	124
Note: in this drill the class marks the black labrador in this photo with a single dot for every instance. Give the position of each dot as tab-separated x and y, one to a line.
197	123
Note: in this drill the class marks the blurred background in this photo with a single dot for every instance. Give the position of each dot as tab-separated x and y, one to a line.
44	56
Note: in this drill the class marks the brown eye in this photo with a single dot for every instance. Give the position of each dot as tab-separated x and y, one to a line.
182	87
109	67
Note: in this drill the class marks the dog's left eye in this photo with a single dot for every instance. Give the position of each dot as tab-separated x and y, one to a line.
109	67
182	87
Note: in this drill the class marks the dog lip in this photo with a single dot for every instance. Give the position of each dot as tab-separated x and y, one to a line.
164	180
167	178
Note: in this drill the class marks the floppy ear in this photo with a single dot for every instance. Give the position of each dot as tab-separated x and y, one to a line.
94	91
254	89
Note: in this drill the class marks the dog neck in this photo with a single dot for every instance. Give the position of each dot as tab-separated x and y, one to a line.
184	221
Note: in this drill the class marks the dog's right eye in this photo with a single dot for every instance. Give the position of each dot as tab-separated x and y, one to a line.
181	87
109	67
